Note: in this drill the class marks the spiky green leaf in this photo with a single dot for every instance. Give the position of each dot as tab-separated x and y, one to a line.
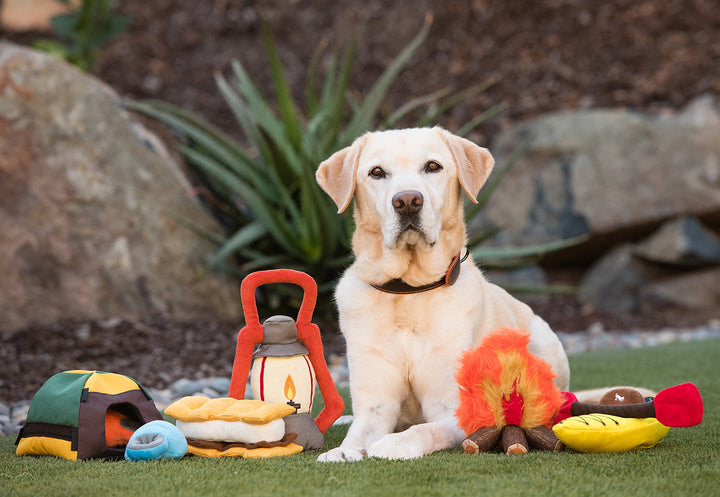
367	110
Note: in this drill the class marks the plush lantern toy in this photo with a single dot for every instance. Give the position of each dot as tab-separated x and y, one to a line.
507	394
288	361
282	372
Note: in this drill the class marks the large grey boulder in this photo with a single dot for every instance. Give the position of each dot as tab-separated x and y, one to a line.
615	282
674	268
693	291
89	210
684	243
612	174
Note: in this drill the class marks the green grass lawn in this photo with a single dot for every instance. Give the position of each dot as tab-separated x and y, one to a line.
686	463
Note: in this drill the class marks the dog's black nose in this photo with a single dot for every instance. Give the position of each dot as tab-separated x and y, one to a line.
408	202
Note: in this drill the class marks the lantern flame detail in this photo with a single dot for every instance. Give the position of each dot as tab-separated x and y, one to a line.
289	388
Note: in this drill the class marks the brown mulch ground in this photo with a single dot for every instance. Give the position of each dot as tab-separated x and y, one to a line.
153	351
542	56
158	351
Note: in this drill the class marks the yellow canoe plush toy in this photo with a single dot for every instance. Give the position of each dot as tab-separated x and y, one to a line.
232	427
625	420
607	433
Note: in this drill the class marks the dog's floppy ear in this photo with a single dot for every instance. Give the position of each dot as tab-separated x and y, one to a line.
474	163
336	175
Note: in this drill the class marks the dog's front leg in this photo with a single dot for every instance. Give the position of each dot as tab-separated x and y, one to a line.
440	431
376	408
418	440
436	390
367	427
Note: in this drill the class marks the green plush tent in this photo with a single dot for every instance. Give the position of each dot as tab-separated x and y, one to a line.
73	413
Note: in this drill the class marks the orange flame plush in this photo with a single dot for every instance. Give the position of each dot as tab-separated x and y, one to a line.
507	393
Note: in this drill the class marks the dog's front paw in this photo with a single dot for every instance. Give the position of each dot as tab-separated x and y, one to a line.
343	454
396	446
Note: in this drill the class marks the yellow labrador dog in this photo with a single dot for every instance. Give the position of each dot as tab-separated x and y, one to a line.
410	304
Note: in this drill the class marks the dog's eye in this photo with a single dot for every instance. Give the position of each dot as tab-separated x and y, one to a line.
377	172
432	167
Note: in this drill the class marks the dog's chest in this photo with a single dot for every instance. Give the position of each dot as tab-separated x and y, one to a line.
413	327
406	328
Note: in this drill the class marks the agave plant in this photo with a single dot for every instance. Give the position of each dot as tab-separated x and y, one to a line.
265	193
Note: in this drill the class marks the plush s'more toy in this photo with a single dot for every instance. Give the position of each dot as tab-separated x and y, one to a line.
234	427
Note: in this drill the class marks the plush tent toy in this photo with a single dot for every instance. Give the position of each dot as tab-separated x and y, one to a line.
84	415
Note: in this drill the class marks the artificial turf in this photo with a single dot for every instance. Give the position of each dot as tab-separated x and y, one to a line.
686	463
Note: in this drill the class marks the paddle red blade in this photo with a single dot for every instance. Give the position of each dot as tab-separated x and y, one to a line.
679	406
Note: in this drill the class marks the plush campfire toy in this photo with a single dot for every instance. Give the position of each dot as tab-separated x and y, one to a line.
507	394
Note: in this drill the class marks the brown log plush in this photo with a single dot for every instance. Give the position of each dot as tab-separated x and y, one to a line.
543	438
482	440
514	440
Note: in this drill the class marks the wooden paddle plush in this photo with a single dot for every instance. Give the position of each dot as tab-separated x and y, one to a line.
677	406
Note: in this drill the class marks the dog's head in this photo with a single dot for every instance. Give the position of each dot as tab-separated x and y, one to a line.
407	184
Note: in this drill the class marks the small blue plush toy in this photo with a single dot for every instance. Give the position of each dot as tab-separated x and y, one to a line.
156	440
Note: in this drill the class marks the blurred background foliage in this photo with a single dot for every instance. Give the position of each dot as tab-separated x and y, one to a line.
263	190
83	30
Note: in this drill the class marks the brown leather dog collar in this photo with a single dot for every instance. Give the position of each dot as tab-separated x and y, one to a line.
399	287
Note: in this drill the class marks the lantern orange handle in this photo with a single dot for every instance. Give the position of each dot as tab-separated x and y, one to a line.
252	334
259	278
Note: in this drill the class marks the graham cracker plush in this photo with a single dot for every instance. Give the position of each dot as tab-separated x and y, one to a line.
200	409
